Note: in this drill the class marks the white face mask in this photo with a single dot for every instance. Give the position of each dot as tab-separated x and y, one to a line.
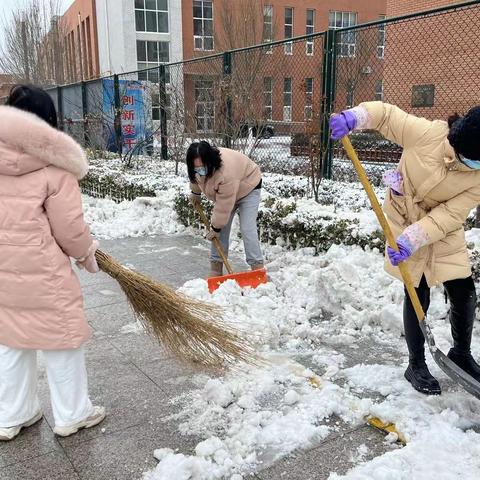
202	171
473	164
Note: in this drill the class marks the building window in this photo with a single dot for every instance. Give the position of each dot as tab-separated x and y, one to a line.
423	95
151	54
310	28
151	16
308	98
268	26
289	30
351	93
347	41
203	25
156	106
379	90
204	105
287	99
268	98
381	38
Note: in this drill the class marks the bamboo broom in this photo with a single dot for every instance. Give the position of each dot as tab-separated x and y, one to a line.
192	330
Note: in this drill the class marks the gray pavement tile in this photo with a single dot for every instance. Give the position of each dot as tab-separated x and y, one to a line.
335	454
100	296
128	395
125	455
32	442
109	319
172	376
52	466
139	348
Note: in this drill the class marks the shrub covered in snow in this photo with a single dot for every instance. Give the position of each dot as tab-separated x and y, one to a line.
282	223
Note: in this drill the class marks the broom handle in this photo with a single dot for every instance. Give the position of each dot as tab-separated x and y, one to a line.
216	241
407	279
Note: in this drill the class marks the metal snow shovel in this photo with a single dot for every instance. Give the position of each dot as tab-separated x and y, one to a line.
450	368
251	279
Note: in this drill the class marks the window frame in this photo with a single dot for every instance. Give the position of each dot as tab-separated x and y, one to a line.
289	116
310	29
382	37
267	38
268	107
143	10
288	47
345	49
201	39
207	104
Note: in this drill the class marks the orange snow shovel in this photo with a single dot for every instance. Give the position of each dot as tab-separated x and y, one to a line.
251	279
449	368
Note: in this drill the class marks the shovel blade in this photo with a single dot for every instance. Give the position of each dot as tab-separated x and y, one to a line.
250	279
451	369
458	375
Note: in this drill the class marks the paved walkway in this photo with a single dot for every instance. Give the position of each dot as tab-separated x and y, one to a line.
135	380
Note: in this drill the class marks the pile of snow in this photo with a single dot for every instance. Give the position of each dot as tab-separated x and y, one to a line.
313	307
142	216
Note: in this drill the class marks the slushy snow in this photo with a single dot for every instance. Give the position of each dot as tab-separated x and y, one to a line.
309	321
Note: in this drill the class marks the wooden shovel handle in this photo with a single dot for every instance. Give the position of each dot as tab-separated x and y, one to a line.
216	241
407	280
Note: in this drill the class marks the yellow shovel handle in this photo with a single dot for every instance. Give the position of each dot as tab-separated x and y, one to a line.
216	241
407	280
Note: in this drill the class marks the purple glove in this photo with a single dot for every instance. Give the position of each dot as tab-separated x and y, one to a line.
342	124
405	251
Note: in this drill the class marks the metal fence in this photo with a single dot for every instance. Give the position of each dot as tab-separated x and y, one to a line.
273	101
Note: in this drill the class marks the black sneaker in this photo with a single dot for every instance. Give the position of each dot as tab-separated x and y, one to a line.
466	362
421	379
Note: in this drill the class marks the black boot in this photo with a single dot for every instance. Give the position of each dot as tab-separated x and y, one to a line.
419	376
463	301
466	362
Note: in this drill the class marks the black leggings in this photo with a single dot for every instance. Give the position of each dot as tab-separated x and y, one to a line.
462	296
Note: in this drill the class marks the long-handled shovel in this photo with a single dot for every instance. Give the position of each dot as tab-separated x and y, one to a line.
450	368
251	279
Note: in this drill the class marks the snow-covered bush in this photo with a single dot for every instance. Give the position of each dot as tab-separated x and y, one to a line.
279	222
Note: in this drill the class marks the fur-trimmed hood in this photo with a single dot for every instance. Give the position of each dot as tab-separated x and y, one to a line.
27	144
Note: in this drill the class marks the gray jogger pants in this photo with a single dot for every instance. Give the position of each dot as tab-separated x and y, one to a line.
247	208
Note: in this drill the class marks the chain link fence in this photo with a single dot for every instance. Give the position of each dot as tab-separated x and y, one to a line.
273	101
427	64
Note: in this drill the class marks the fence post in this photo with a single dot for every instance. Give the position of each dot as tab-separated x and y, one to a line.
117	122
227	72
163	111
85	114
328	98
60	108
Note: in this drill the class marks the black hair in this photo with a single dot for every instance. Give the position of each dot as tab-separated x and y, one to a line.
34	100
209	154
452	119
464	133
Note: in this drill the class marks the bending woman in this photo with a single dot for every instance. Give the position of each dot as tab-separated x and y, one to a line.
233	182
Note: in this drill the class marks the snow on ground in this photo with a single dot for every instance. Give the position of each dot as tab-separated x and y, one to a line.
316	308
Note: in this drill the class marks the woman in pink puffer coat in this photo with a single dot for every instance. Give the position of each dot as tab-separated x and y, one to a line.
41	304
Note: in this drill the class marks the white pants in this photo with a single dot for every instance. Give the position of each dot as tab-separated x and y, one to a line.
67	380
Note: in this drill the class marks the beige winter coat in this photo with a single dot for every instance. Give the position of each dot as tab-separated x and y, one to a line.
236	178
41	227
439	193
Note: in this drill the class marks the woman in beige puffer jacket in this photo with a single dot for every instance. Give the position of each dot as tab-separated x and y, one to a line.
430	195
233	182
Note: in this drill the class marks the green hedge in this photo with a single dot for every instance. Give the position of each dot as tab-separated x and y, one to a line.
114	187
321	234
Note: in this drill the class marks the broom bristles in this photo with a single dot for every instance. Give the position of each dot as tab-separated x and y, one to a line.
192	330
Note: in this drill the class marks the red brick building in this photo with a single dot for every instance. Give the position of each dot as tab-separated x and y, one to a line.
79	24
432	67
281	84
